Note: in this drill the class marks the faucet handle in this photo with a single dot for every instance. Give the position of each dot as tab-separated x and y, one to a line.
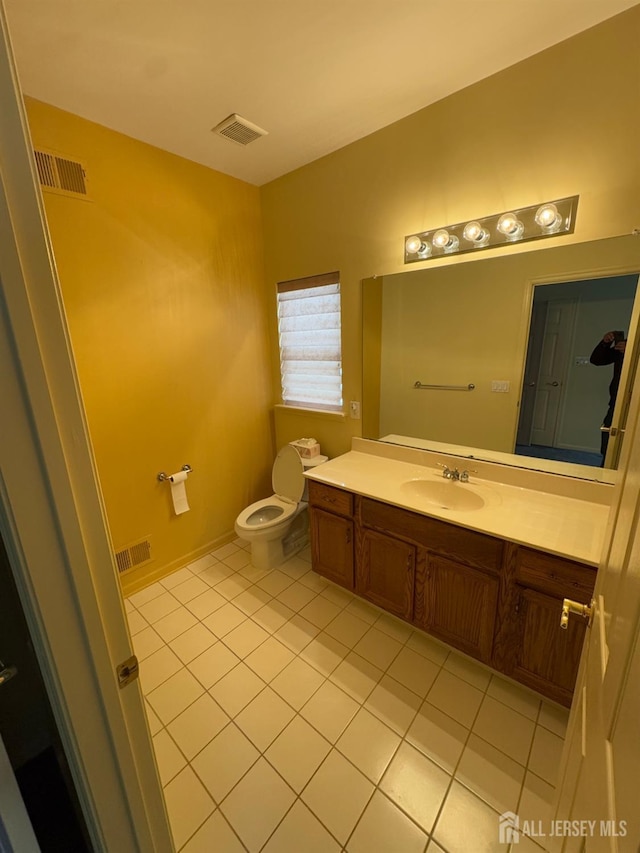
447	472
464	476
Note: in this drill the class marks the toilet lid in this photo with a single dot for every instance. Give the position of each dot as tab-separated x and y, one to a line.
287	477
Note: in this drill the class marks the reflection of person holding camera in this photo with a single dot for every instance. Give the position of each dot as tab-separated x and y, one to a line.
610	350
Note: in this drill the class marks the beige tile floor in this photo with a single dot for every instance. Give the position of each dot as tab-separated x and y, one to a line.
289	716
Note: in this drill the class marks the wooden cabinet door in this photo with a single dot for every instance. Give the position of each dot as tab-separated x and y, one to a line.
385	572
545	656
332	546
458	604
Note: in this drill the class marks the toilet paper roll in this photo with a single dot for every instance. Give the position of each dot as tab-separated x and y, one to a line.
179	492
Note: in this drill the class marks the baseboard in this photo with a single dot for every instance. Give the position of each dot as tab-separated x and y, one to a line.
137	579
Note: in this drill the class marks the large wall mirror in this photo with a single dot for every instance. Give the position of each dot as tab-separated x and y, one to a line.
491	358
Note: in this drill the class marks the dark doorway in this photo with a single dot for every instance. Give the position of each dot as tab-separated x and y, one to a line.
30	734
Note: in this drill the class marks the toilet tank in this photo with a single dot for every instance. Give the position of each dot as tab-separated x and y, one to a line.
311	463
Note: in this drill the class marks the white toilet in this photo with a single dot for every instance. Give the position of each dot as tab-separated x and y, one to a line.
278	527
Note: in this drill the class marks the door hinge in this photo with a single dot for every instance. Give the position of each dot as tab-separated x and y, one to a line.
128	671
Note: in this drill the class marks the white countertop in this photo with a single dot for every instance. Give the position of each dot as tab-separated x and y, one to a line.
566	526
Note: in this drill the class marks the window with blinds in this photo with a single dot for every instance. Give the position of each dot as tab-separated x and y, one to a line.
310	346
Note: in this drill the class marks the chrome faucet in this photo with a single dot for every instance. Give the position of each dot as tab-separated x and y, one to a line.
454	474
448	473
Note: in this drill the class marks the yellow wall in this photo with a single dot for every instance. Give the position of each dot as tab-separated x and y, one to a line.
563	122
163	287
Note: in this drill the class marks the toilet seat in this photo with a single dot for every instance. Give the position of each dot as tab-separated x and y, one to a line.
287	478
287	509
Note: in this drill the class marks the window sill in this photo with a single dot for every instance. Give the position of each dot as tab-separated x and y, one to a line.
323	414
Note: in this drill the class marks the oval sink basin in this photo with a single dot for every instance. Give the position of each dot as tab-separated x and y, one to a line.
445	495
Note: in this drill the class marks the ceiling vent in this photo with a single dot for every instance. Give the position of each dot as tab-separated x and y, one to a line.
61	175
239	130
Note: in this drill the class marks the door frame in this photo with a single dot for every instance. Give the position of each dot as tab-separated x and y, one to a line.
633	337
53	522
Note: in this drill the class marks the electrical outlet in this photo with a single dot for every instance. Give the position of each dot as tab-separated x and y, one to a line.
502	386
354	410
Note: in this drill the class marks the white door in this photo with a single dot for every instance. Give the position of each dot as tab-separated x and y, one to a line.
52	519
531	370
556	346
601	762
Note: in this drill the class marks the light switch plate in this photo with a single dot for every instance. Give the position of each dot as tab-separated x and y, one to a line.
354	410
502	386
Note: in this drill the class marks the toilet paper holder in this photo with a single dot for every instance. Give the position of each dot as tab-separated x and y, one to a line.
162	476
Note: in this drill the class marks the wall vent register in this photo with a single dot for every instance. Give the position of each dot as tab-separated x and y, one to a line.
134	555
60	174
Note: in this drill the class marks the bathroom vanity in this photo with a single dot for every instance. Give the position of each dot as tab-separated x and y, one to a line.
482	565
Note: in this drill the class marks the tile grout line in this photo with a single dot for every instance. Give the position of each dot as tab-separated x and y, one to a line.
343	606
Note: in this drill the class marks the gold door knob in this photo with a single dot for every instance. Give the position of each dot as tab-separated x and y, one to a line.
569	606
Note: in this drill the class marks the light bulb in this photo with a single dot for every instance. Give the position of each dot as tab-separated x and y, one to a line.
441	238
412	246
548	218
415	246
475	233
510	226
445	241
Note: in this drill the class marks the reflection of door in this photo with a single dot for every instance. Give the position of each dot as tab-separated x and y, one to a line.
555	349
601	762
599	304
532	366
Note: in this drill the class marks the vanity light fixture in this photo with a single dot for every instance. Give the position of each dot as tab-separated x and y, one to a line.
549	219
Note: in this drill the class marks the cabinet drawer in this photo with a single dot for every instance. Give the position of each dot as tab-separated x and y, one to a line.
474	549
330	498
554	575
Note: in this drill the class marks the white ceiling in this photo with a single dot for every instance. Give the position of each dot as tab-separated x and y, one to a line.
317	74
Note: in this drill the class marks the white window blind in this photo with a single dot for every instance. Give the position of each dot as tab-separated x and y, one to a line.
310	346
